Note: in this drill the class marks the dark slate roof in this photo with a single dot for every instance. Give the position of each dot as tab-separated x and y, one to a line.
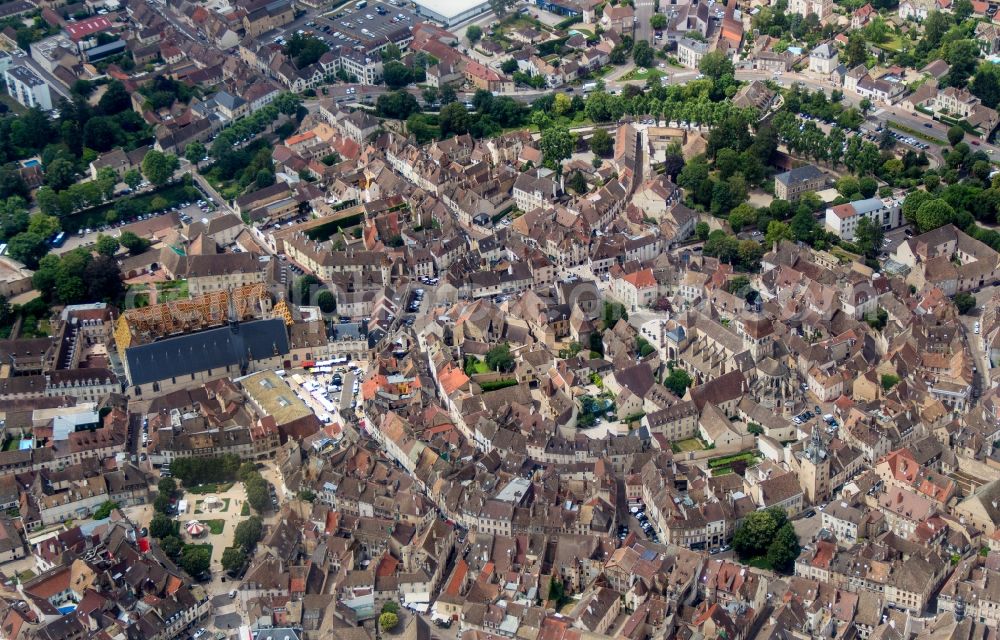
211	349
800	174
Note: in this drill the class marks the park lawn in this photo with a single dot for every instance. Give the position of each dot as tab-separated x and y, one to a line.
215	526
172	290
636	74
225	505
206	545
245	511
211	487
172	195
895	43
27	574
725	461
691	444
480	367
724	465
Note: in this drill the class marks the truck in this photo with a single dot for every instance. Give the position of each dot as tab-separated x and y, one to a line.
361	4
589	86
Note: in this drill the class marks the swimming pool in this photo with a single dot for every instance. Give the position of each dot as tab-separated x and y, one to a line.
69	608
32	163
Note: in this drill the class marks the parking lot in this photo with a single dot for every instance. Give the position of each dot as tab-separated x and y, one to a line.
328	389
369	27
910	141
639	522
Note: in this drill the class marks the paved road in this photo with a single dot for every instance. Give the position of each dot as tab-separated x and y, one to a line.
643	13
807	528
184	29
227	621
207	187
936	130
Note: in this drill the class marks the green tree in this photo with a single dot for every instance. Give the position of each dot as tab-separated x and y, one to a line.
305	50
307	286
889	381
868	237
28	248
577	182
246	471
678	382
933	214
601	143
848	187
43	225
985	84
867	186
784	549
195	559
500	7
877	319
158	167
964	302
248	533
167	487
473	33
557	593
508	66
132	178
391	52
396	75
955	135
643	54
857	52
743	215
716	65
107	245
658	21
233	558
500	359
778	231
115	99
556	145
288	103
257	494
161	503
161	526
171	546
101	134
194	152
388	621
453	119
60	174
701	231
390	607
48	202
326	302
105	510
803	226
753	538
103	280
264	178
133	243
963	56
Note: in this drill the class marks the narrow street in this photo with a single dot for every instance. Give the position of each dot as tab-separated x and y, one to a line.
643	14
